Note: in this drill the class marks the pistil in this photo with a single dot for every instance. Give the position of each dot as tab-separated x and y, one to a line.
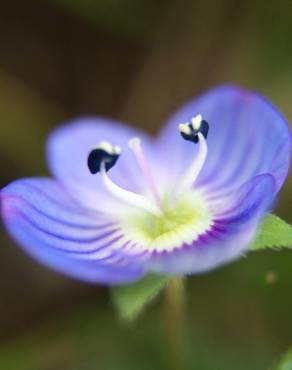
135	145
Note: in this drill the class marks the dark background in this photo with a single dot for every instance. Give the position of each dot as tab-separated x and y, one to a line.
136	60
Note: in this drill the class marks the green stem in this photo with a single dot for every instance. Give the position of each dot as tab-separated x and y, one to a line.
174	323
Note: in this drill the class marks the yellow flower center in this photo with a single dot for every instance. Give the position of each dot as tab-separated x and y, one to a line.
180	222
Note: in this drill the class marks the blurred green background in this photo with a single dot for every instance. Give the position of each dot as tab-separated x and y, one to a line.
136	60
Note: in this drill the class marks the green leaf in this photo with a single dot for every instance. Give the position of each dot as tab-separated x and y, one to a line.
130	300
274	233
286	362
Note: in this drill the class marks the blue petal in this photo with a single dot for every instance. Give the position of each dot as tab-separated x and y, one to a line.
52	228
247	137
235	225
68	149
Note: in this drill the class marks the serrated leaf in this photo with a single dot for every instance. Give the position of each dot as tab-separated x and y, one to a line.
274	233
286	362
131	299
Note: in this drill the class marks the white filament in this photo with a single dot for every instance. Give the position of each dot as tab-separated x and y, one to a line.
125	196
192	173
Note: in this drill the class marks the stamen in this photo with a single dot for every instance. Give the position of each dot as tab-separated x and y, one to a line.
196	122
196	166
102	158
135	145
196	132
189	131
127	197
185	129
103	152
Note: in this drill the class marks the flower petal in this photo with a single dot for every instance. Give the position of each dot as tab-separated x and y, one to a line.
247	137
56	231
235	224
69	146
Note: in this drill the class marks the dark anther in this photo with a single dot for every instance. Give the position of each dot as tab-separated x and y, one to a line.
189	131
100	155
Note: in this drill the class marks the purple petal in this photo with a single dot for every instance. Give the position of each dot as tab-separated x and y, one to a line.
247	137
69	146
56	231
235	224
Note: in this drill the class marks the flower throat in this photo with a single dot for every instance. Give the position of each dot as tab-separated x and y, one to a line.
104	156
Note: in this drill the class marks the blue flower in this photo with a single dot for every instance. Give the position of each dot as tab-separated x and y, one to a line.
123	204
